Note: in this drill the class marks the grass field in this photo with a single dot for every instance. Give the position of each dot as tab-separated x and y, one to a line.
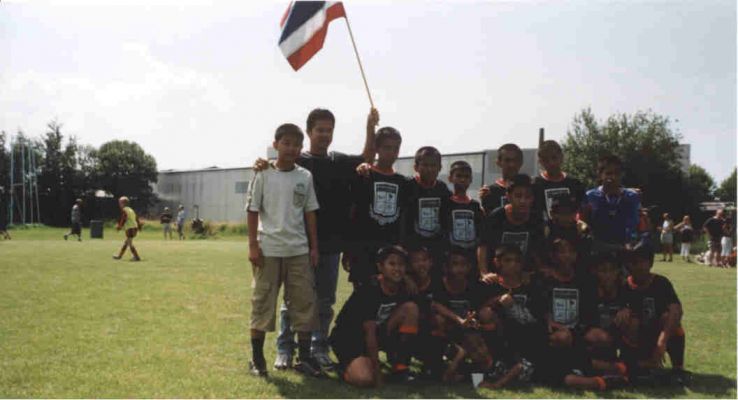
75	323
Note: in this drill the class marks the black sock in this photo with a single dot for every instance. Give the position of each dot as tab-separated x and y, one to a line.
257	350
433	353
675	348
404	351
303	345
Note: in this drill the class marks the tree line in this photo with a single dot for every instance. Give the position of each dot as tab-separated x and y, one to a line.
67	170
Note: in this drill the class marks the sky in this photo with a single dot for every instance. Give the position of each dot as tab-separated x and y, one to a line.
199	84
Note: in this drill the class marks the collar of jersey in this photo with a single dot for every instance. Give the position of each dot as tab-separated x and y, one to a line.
545	176
465	199
423	185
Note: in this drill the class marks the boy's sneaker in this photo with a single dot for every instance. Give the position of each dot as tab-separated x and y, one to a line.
135	259
283	361
117	257
615	381
308	367
402	377
681	377
324	361
258	368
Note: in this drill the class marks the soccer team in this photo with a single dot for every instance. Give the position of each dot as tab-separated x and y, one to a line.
542	282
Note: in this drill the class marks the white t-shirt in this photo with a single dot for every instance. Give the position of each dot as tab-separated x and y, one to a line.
282	198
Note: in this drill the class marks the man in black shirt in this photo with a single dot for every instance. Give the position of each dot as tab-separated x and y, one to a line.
553	182
377	315
713	227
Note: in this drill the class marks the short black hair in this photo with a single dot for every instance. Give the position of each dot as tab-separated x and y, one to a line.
520	180
416	248
510	147
603	257
386	251
608	160
643	249
508	249
427	151
319	114
549	145
386	133
458	251
460	165
288	130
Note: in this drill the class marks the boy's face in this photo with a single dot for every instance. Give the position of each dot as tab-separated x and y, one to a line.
564	218
461	179
565	254
288	148
607	273
393	268
551	160
428	168
388	150
639	267
121	203
521	199
458	266
610	176
321	136
420	264
509	162
509	264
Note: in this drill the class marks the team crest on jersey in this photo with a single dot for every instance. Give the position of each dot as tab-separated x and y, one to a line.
459	307
299	195
566	306
463	231
519	310
551	194
384	312
429	213
649	308
384	208
517	238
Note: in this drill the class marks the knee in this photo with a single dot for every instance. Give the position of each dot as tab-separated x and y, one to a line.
561	338
360	373
598	337
409	309
487	315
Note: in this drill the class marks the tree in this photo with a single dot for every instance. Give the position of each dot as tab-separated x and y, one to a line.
56	181
124	169
726	191
648	147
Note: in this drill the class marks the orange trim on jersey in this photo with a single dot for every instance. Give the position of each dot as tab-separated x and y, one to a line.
488	327
635	286
560	178
438	333
376	169
461	199
423	185
509	216
501	281
408	329
622	368
399	367
600	382
501	183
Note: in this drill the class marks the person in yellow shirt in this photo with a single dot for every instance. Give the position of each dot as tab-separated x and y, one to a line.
130	224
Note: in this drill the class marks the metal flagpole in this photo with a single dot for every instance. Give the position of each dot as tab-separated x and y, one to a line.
12	181
23	182
35	179
363	76
30	182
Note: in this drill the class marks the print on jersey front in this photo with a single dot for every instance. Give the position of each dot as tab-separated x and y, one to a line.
566	306
385	210
384	312
517	238
551	194
463	229
429	212
519	310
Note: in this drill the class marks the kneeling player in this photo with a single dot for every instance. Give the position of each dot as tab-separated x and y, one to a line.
656	313
379	315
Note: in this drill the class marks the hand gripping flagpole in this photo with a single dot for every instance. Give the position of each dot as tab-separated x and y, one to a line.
361	68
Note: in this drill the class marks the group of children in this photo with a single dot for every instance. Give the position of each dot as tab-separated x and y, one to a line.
541	282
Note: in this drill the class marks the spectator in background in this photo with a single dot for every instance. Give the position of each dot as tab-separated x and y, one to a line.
713	227
76	220
181	215
667	237
686	231
726	243
166	222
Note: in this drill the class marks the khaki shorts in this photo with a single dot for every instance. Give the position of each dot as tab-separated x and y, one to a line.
299	293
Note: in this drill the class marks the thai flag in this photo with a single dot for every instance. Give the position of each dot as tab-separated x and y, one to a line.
304	26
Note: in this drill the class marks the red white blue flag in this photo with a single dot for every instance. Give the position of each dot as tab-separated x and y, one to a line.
304	26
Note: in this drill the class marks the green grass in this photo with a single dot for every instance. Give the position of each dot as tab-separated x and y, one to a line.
75	323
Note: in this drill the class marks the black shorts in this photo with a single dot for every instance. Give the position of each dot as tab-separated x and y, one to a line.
363	262
348	347
76	228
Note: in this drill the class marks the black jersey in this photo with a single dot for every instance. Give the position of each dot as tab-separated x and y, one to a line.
571	303
332	177
367	303
545	190
459	303
426	207
464	223
497	229
497	196
650	302
379	200
607	309
529	306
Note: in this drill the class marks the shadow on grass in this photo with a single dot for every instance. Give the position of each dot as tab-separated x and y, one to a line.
703	385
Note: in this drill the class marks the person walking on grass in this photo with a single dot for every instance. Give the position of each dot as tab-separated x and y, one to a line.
76	219
667	237
181	214
687	233
130	223
166	222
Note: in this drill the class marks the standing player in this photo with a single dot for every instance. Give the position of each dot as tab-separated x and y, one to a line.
513	223
131	225
380	315
464	213
553	182
713	227
509	160
686	232
166	222
281	204
181	215
427	204
76	219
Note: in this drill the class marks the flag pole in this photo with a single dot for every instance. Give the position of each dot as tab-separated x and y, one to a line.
361	68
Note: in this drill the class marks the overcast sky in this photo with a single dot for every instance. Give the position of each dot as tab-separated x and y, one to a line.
200	85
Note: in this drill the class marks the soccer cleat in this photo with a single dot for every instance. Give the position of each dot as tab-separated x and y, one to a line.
135	259
258	368
681	377
283	361
117	257
615	381
308	367
403	376
324	361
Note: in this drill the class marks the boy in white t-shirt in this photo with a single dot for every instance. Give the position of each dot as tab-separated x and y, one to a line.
281	203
